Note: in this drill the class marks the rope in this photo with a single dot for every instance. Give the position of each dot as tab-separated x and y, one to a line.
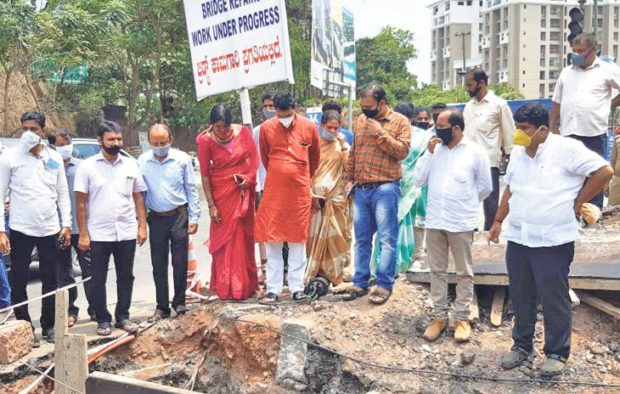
51	293
418	371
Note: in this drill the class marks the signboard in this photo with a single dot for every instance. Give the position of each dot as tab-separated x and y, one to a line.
333	46
237	44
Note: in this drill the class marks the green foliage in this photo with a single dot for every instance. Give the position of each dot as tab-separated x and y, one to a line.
383	59
428	95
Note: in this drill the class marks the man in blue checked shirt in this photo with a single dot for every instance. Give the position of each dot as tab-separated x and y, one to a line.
173	213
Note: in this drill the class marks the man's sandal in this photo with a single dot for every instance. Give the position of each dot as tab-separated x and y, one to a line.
104	329
71	320
128	326
379	296
269	299
353	293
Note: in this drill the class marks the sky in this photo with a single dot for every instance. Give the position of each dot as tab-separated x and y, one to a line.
372	15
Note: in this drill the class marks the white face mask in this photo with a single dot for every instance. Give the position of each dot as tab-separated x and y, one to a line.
29	140
286	122
65	151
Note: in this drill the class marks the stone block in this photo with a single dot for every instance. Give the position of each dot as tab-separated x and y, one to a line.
290	373
15	341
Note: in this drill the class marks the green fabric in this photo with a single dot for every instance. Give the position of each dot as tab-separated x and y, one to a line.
411	208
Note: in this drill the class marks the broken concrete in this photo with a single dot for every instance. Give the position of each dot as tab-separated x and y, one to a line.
16	339
293	356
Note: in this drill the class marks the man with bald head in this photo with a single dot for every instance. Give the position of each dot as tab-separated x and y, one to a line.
173	212
458	176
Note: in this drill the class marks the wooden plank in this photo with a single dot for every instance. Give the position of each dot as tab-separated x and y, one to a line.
600	304
69	351
573	297
103	383
502	280
474	314
497	308
149	373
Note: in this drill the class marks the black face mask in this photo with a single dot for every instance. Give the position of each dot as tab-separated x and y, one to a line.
371	113
423	125
445	135
475	92
113	150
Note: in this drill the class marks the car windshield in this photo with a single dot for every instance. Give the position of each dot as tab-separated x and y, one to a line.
84	151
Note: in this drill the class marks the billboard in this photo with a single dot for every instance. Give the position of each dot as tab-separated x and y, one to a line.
333	46
237	44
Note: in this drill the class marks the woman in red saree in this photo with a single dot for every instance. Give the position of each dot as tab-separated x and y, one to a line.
228	164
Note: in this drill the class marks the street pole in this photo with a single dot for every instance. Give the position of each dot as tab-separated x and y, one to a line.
595	14
246	107
464	70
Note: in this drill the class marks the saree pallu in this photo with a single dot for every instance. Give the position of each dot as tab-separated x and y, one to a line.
329	244
411	208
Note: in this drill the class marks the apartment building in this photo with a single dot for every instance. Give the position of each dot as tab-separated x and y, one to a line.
452	17
525	42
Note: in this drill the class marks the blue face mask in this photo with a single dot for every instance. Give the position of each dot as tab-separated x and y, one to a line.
579	60
162	151
327	135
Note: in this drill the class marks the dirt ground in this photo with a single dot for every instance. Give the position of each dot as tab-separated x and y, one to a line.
228	356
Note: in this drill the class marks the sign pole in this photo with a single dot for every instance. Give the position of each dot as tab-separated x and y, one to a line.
246	109
350	111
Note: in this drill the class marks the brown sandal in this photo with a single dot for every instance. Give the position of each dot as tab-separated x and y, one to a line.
71	320
353	293
379	296
128	326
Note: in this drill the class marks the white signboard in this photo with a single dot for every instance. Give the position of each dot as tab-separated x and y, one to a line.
237	44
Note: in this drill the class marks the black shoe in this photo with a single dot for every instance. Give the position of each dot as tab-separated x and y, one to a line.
36	342
180	310
48	335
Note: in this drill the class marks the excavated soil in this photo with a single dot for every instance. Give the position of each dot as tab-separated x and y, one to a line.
241	357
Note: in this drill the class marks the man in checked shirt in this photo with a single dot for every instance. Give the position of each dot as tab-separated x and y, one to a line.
381	142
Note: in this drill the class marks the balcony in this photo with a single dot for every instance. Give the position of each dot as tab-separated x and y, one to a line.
503	38
433	54
445	85
446	53
485	43
502	76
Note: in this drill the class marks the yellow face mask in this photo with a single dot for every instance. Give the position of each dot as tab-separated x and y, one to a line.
522	139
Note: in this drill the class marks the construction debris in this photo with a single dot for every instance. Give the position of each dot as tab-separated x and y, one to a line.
16	340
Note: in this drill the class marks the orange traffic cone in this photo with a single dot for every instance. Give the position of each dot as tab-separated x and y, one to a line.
194	283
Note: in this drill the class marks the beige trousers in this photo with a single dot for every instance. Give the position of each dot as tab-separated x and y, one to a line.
438	242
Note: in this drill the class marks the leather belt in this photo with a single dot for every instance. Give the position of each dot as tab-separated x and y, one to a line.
371	185
172	212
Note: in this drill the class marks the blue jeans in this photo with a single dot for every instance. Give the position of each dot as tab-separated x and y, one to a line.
376	210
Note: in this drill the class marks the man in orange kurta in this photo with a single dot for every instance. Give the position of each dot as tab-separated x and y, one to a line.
290	150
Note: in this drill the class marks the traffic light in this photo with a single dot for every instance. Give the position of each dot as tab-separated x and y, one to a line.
575	25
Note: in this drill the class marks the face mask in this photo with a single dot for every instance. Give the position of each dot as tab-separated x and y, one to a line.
113	150
371	113
161	151
445	135
65	151
579	60
522	139
29	140
475	92
287	122
269	113
327	135
423	125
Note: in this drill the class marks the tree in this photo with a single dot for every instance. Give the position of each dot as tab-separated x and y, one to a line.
383	59
428	95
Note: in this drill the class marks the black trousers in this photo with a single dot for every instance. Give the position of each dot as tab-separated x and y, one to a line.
65	274
21	254
597	144
541	274
492	201
169	234
124	253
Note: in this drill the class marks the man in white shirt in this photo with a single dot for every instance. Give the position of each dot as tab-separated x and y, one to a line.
458	176
490	125
544	194
583	98
269	111
108	193
40	215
